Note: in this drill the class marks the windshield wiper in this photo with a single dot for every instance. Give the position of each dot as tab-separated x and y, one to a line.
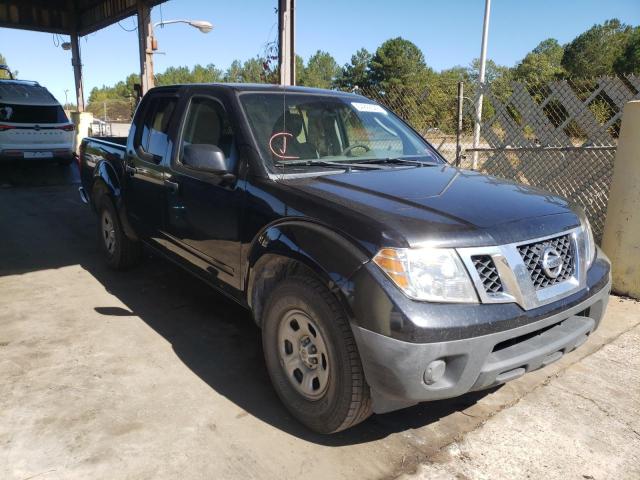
400	161
323	163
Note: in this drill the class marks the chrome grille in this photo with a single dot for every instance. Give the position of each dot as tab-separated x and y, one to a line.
532	252
488	273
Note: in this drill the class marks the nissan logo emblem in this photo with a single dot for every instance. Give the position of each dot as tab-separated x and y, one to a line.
551	262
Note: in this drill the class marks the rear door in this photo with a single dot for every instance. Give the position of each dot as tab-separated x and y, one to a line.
204	210
146	162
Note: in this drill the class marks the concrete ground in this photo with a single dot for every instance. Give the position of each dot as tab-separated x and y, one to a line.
151	374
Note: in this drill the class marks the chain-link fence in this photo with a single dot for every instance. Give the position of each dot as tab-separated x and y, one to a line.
560	136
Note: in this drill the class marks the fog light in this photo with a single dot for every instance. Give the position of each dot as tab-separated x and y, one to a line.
434	372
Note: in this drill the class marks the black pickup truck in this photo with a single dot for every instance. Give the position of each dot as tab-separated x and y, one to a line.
380	275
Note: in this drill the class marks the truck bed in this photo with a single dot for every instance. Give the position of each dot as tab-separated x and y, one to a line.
108	151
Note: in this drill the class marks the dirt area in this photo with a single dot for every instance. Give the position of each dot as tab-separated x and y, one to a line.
151	374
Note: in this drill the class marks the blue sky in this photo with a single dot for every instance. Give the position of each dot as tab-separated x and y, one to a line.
448	32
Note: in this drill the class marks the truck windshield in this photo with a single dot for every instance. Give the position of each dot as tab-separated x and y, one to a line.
293	128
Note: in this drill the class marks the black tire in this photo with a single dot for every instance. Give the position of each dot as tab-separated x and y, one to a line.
119	250
345	399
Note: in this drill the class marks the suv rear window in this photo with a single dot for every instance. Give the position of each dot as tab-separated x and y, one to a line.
32	113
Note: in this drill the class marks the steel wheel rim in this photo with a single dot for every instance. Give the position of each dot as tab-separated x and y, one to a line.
303	354
108	232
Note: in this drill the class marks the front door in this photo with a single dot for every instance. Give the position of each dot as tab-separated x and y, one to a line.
204	209
146	162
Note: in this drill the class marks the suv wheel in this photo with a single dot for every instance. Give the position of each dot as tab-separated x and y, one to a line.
120	251
312	357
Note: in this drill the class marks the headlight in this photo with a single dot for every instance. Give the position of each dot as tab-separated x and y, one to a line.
590	244
432	274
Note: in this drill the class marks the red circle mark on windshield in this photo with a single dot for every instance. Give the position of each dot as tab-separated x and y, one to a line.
278	144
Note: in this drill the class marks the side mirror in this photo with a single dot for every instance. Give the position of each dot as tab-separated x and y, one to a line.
206	158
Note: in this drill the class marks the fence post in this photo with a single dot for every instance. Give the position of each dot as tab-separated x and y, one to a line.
459	130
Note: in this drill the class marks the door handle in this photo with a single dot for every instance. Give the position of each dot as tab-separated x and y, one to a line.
174	187
131	170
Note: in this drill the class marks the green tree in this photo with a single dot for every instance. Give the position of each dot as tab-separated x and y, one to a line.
121	90
629	61
398	63
441	100
542	64
251	71
4	73
355	74
399	78
234	72
320	71
300	71
197	74
594	52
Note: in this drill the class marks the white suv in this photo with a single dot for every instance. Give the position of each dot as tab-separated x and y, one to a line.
33	124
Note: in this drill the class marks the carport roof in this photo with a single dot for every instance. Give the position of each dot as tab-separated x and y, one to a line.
66	16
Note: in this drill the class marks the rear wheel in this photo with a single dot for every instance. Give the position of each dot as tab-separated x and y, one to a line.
120	251
312	357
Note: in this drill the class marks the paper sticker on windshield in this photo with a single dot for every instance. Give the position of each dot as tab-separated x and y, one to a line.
368	107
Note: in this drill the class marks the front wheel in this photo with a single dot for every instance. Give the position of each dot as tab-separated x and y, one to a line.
119	250
312	357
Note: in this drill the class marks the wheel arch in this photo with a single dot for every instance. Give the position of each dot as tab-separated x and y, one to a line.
295	247
106	181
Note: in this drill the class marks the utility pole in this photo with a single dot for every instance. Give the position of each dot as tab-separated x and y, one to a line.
145	37
483	62
286	42
77	71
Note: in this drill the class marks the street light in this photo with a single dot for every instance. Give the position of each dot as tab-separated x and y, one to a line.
202	25
149	44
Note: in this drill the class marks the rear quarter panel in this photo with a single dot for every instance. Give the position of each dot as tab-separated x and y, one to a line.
101	164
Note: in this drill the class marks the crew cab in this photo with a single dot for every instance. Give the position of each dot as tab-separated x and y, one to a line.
380	275
33	125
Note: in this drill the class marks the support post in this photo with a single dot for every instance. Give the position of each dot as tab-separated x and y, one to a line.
459	129
76	61
621	238
145	36
286	42
483	63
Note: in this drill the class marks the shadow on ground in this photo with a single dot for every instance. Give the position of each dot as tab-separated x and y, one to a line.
44	228
36	173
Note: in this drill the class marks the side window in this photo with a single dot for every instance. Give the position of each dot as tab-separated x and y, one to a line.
155	126
207	123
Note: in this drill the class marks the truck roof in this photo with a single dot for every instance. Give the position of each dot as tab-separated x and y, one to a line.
25	92
268	87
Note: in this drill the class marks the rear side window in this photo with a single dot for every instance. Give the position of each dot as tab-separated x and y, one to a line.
39	114
155	127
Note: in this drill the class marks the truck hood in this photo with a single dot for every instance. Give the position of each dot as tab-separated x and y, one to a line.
441	204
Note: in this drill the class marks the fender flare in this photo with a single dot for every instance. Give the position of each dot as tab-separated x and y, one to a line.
107	181
105	175
328	254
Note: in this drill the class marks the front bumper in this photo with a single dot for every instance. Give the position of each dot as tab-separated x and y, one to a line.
454	360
